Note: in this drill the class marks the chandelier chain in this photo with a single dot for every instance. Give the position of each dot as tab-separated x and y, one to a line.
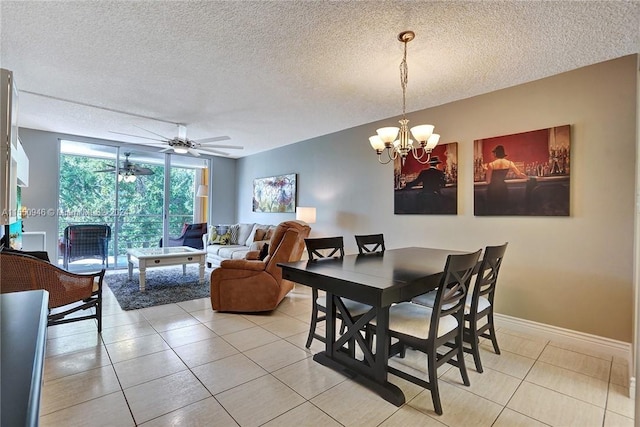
404	78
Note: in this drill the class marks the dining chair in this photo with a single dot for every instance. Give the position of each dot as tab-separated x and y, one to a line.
428	329
328	247
370	243
479	304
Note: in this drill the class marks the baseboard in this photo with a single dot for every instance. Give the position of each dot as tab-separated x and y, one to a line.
592	343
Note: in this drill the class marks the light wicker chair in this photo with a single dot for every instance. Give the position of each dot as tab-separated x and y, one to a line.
68	292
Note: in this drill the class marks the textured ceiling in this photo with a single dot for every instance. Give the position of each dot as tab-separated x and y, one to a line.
272	73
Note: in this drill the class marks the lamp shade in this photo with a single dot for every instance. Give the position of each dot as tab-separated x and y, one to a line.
203	191
306	214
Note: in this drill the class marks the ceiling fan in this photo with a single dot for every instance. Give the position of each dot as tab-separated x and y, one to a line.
182	145
128	171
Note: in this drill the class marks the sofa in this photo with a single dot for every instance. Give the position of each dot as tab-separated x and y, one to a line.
256	284
234	241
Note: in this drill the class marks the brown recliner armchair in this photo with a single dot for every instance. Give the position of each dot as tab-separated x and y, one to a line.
253	285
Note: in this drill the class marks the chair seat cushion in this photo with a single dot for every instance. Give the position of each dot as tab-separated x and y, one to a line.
415	320
429	298
355	308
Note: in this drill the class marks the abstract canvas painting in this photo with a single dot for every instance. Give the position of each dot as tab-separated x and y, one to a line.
275	193
523	174
430	188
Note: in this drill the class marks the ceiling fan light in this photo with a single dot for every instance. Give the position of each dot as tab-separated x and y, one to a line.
180	150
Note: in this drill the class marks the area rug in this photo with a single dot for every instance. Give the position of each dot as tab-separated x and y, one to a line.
163	286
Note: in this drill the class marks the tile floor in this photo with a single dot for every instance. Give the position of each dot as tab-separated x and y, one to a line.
184	364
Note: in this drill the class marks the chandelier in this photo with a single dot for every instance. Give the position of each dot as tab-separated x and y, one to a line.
397	141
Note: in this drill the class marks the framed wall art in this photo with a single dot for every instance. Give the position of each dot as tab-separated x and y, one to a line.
275	193
431	188
523	174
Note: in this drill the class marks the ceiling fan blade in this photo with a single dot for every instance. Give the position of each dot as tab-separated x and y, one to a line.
212	151
166	150
138	170
229	147
193	152
213	139
135	136
157	134
106	170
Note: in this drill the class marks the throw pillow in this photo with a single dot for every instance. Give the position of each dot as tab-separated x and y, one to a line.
213	235
260	233
264	251
225	239
233	232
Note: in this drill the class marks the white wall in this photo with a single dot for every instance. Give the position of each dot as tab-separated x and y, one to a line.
572	272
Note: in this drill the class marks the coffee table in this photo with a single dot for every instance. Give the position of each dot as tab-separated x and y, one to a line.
159	257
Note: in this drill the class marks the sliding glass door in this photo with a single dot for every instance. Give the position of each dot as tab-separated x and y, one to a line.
143	196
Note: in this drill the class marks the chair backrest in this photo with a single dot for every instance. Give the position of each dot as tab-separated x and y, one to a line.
485	284
325	247
370	243
21	272
452	291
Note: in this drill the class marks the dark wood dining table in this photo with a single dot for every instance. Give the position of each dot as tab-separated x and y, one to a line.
376	279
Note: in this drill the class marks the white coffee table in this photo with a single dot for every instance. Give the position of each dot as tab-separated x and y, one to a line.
159	257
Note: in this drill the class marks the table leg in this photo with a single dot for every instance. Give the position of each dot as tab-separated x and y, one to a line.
142	268
184	269
201	270
130	266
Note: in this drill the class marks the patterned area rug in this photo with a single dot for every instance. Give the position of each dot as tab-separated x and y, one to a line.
163	286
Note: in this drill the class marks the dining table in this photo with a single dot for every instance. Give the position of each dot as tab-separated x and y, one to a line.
378	279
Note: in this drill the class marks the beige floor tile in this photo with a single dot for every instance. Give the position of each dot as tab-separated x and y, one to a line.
149	367
72	343
492	385
160	311
408	416
460	407
554	408
175	321
296	306
588	365
276	355
574	384
209	315
611	419
73	389
286	327
509	418
187	335
130	349
264	318
588	351
196	304
127	332
207	412
351	404
227	373
201	352
229	325
250	338
105	411
506	362
124	318
620	374
618	401
309	378
164	395
73	328
520	344
305	415
268	398
68	364
300	340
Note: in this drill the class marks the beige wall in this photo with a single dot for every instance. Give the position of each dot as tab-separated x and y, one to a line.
572	272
